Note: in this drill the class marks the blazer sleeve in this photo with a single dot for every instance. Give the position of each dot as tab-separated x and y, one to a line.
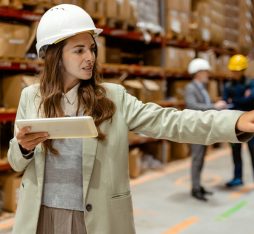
192	101
187	126
15	158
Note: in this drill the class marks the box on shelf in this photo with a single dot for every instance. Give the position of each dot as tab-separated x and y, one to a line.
95	8
113	55
133	87
177	89
213	90
12	87
4	2
146	90
55	2
155	149
111	9
172	61
3	151
101	57
250	70
10	183
13	40
153	90
179	5
179	150
153	57
135	166
166	147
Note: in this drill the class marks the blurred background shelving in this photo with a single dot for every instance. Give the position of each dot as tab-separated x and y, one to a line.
146	46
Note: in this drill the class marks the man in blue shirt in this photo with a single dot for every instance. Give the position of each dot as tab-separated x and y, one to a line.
239	94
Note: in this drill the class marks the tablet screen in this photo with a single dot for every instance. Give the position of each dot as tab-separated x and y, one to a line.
64	127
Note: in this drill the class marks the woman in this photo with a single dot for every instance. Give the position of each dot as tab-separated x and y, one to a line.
82	185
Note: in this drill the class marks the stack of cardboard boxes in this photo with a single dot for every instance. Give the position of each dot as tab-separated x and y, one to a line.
10	187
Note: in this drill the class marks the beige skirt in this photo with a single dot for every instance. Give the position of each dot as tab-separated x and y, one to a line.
60	221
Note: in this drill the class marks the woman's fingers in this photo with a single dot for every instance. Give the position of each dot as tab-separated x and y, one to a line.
30	140
246	122
34	141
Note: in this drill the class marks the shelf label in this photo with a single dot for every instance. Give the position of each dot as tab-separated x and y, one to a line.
5	64
23	66
206	34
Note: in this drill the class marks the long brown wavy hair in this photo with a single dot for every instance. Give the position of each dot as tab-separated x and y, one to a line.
91	94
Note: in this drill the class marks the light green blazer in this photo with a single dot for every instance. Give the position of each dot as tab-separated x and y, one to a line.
105	163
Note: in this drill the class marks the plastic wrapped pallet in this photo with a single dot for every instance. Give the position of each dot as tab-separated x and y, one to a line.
177	15
148	15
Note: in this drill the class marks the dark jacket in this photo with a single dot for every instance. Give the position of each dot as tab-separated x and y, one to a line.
234	93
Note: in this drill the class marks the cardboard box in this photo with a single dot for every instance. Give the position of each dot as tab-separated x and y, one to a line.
213	90
179	150
153	90
172	61
177	89
250	70
113	55
95	7
101	58
134	87
13	39
153	57
179	5
4	2
10	183
111	9
12	87
135	162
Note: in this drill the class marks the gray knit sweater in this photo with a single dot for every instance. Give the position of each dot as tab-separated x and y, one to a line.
63	186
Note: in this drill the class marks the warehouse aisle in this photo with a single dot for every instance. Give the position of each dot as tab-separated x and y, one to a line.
162	204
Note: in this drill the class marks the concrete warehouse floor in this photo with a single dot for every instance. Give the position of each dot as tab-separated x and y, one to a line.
163	205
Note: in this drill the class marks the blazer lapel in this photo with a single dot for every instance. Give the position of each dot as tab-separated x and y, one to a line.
89	153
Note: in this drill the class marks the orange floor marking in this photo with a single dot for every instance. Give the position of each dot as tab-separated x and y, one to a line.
140	212
182	226
6	224
242	191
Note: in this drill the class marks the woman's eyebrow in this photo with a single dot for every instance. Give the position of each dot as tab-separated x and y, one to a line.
77	46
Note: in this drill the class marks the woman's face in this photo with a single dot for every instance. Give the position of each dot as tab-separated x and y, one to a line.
78	59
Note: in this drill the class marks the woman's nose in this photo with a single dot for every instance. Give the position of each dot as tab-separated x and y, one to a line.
89	56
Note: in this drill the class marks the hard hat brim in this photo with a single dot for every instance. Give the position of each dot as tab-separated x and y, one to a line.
58	38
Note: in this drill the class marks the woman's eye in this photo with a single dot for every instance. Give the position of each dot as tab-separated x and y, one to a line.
93	49
79	51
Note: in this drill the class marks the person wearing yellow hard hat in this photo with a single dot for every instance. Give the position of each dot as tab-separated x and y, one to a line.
239	94
238	63
81	185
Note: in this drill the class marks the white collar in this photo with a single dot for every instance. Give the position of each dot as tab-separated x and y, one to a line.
71	95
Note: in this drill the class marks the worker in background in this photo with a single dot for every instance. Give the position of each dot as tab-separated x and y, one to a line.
197	98
239	93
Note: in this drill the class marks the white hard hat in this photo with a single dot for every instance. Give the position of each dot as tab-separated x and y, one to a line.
197	65
60	22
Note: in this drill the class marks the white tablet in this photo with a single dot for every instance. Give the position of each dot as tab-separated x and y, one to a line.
64	127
